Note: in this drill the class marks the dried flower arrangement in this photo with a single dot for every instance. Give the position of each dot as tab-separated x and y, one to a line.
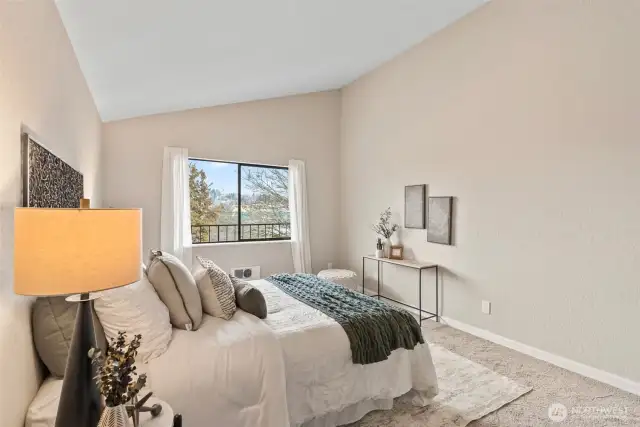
384	227
116	370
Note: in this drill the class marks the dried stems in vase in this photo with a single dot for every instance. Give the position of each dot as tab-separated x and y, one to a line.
116	370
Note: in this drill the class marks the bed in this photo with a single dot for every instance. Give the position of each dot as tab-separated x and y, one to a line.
292	369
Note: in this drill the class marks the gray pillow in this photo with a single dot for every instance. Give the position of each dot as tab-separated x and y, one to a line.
216	289
53	321
177	289
249	298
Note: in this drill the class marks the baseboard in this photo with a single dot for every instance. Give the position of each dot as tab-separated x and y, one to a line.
562	362
369	292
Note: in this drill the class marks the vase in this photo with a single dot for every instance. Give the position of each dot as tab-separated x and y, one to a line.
114	416
387	248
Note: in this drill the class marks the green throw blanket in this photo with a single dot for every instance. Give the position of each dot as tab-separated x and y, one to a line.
374	328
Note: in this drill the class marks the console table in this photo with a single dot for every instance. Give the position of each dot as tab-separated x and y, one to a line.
416	265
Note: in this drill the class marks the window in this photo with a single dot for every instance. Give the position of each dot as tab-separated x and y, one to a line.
238	202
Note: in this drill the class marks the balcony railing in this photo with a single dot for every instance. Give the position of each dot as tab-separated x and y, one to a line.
220	233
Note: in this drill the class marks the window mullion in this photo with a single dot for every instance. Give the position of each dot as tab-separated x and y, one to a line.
240	231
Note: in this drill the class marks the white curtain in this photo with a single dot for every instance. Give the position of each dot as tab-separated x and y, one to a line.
299	210
175	217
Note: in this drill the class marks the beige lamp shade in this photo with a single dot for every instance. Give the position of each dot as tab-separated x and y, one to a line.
72	251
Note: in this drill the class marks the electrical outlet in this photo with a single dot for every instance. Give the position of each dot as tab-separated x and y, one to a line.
486	307
330	265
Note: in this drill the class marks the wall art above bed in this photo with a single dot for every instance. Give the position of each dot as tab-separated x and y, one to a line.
47	181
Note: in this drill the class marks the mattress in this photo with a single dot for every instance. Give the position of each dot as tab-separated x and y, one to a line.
292	369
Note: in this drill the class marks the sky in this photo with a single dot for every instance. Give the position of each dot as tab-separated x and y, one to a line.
223	176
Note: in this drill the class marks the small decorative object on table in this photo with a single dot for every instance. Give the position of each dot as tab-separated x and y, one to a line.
164	419
137	407
385	229
396	252
379	251
116	372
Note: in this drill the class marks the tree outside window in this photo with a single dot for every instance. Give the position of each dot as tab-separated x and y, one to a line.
233	202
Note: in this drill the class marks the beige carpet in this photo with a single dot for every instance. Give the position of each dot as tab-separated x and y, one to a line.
589	403
577	401
467	391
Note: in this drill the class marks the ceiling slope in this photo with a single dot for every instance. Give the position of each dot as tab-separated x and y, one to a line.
151	56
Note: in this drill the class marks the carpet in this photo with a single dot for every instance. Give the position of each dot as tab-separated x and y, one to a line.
588	402
468	391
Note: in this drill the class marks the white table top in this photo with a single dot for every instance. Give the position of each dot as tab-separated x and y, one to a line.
165	419
403	262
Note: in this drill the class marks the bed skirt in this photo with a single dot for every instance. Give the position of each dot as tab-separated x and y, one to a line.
350	414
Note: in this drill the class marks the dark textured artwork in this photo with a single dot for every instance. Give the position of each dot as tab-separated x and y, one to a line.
48	182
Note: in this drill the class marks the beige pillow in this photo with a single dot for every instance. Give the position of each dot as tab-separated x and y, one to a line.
177	289
53	320
136	309
216	290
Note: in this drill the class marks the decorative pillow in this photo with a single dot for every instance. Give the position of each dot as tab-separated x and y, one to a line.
53	321
177	290
249	298
216	289
43	409
136	309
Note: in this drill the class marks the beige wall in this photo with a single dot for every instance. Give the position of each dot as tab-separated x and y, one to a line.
41	86
271	132
528	113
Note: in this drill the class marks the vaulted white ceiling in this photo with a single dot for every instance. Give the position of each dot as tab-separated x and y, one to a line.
150	56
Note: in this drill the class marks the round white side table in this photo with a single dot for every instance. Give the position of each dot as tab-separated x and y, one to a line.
165	419
346	278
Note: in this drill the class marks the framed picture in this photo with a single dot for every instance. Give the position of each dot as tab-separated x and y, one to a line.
396	252
439	227
414	206
47	181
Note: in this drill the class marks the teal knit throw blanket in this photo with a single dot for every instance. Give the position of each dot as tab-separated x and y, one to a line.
374	328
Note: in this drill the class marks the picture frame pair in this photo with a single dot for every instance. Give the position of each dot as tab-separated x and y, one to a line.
434	214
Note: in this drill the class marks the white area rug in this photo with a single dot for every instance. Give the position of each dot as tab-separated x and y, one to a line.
468	391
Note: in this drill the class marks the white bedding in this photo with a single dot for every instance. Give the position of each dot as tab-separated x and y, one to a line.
227	373
321	379
292	369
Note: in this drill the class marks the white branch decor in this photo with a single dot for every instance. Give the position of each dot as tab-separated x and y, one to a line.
384	227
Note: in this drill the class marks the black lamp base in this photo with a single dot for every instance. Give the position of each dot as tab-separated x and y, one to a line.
80	403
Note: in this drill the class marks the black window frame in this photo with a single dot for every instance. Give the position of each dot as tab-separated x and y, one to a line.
239	219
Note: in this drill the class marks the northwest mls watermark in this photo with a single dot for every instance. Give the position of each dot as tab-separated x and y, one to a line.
559	413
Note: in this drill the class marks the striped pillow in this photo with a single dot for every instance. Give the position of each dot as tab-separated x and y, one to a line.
216	290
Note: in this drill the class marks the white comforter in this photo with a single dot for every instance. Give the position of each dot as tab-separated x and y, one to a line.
283	371
292	369
321	379
225	374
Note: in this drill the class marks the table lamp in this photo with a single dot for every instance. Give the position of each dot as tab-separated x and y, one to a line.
76	251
